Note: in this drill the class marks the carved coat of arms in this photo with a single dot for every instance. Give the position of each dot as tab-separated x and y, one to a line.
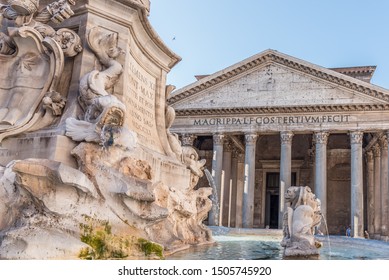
32	60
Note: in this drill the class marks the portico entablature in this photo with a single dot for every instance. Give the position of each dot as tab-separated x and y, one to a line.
336	122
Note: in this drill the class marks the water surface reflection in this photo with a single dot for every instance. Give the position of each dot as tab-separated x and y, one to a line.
253	247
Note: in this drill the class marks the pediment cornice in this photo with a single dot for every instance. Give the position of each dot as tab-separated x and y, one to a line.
272	56
282	110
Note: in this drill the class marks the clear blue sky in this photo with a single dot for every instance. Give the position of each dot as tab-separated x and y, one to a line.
211	35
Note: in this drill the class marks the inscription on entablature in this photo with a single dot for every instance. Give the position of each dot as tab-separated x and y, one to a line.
140	101
270	120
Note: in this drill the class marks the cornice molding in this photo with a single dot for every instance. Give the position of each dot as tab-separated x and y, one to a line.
273	56
285	109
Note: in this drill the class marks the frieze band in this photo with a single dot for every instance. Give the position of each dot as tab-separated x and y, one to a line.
265	120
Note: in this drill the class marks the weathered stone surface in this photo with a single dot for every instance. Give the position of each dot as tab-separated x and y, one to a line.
302	217
91	140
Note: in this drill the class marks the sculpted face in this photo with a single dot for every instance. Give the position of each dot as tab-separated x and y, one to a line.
292	194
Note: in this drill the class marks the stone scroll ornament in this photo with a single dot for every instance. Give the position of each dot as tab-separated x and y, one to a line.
32	56
104	113
300	219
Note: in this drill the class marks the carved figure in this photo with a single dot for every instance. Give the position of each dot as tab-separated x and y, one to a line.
101	108
25	12
170	115
32	56
302	216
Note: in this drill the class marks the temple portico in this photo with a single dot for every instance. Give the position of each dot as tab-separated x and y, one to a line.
273	121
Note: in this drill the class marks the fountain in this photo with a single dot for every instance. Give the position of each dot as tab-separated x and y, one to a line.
214	197
301	217
89	167
295	241
265	244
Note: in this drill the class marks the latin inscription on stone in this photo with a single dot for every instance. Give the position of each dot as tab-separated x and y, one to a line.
272	120
141	87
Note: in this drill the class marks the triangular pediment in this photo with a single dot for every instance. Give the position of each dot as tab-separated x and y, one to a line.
274	80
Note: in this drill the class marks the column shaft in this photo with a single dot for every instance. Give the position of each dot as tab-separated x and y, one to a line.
217	161
285	171
321	139
225	200
377	190
239	191
384	187
357	221
234	178
249	181
370	191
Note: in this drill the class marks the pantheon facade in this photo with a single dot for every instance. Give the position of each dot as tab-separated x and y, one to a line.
273	121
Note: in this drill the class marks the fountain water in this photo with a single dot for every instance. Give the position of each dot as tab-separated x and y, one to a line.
327	234
264	244
214	197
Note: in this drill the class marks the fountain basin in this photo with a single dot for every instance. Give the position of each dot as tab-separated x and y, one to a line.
264	244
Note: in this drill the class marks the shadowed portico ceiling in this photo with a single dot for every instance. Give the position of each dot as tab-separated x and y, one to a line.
373	98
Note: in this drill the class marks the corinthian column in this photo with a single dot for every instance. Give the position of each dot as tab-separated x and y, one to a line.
384	190
217	163
356	184
321	139
234	190
285	171
249	180
370	190
225	193
377	190
239	191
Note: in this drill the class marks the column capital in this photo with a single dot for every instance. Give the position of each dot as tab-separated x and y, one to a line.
187	139
321	137
251	138
356	137
235	152
228	146
376	150
369	156
218	139
383	142
240	157
286	137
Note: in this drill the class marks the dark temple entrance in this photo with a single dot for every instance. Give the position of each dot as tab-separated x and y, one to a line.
272	197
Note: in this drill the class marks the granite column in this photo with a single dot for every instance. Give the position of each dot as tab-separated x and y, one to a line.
217	163
249	180
225	193
370	190
357	221
239	191
285	171
377	190
321	139
233	194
